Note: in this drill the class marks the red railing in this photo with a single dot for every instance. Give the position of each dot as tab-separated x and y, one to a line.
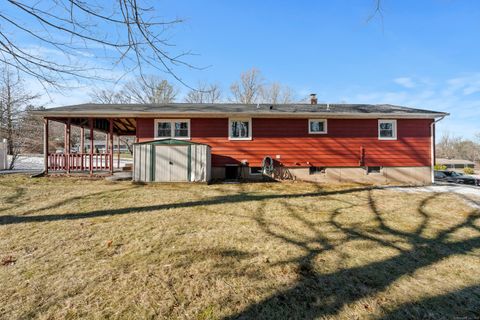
78	161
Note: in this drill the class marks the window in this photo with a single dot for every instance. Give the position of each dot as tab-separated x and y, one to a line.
240	129
181	130
255	170
164	129
387	129
169	128
316	170
373	170
317	126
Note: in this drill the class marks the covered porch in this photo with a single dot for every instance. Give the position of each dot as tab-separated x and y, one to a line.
86	158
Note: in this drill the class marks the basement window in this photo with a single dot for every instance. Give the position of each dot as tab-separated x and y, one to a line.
387	129
374	170
172	129
255	171
316	170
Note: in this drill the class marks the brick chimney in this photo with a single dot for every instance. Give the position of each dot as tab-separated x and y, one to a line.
313	98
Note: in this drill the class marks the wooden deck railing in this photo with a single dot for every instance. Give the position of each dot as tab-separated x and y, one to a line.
78	161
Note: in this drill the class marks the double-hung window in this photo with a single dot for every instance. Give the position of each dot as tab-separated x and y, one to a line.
170	128
317	126
387	129
240	129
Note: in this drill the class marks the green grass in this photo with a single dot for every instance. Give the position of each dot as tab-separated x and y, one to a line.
96	249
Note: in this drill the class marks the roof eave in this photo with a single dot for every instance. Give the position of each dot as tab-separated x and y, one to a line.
60	114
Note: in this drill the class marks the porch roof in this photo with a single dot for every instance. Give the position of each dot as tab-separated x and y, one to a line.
121	126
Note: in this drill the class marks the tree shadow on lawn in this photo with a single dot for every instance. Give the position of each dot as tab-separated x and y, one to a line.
317	295
224	199
466	299
14	199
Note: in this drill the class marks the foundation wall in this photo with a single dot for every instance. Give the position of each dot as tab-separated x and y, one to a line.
387	175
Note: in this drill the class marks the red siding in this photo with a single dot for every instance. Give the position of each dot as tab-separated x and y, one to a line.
289	138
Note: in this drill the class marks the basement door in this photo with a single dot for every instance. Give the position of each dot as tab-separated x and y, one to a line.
171	163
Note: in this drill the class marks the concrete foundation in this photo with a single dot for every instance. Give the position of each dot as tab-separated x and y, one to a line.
387	175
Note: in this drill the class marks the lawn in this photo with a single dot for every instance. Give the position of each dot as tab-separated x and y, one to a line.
73	248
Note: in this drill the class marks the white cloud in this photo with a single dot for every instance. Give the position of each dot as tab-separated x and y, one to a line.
464	85
405	82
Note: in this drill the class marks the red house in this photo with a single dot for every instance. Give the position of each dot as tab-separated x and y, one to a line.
317	142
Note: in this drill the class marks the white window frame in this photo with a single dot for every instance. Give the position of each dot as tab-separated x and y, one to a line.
325	123
172	129
394	122
250	133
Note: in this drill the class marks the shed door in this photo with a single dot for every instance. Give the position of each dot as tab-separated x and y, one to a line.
171	163
162	164
178	163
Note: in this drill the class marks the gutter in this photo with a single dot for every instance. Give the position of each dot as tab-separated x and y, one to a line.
432	134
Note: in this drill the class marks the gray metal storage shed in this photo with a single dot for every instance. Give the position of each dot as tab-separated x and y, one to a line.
171	160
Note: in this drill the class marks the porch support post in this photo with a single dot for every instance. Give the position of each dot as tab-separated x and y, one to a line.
111	144
90	121
45	144
118	151
82	146
67	144
82	140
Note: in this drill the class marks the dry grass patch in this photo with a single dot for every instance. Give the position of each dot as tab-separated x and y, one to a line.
94	249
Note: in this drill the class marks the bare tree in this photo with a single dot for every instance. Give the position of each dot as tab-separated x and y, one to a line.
123	33
205	93
32	128
14	99
148	89
108	96
378	11
457	147
277	93
249	89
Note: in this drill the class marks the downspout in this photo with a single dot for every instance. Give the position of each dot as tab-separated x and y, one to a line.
432	135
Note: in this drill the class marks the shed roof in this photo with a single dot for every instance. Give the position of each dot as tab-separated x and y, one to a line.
222	109
171	142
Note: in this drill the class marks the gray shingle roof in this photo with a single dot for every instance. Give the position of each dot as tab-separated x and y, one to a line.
139	110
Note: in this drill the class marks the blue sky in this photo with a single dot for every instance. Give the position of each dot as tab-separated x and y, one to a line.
425	54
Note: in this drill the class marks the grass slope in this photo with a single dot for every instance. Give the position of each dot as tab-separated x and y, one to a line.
93	249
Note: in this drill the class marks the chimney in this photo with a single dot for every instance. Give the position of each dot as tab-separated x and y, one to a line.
313	98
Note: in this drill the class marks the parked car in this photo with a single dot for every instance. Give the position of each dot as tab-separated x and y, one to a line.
455	177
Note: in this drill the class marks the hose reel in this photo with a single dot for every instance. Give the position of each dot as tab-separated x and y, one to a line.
267	165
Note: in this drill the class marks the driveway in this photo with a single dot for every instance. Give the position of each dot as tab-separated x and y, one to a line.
472	192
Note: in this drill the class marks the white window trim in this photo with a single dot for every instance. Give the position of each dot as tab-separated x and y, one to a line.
380	121
325	126
254	174
172	129
250	133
